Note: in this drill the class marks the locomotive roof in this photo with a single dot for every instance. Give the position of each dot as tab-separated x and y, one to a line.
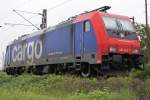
26	36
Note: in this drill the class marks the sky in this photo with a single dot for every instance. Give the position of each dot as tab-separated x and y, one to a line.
58	10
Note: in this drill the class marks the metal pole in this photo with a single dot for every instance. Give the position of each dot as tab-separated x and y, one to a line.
146	17
133	20
44	19
147	30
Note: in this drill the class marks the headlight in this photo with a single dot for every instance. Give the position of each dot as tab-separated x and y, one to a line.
135	51
111	49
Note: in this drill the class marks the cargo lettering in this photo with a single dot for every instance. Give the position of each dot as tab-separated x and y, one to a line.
27	51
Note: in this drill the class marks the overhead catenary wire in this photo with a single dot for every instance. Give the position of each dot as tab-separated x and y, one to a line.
23	3
11	24
28	12
49	9
58	5
18	5
18	23
26	19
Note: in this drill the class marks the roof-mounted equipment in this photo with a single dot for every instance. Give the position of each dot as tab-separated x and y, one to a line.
103	9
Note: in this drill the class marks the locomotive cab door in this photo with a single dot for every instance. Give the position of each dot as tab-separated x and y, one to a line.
78	40
85	44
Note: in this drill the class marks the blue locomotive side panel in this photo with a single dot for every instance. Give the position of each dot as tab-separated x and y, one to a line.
51	46
33	50
54	46
59	42
25	52
58	45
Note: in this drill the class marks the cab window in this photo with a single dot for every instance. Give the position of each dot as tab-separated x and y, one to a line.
87	26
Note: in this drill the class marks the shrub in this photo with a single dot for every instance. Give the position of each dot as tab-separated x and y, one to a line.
118	83
142	74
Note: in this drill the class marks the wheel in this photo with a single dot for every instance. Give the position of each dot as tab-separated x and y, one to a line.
8	71
95	70
85	70
37	70
20	70
56	70
51	69
45	70
15	71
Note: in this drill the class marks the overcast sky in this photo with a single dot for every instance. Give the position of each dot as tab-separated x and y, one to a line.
58	10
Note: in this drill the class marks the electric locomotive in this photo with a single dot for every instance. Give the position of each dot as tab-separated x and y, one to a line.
90	43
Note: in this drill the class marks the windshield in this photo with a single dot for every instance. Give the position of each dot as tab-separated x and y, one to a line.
120	28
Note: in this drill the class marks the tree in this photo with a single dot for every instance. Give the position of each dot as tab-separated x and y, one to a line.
145	38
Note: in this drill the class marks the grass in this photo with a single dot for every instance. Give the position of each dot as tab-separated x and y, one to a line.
57	87
18	94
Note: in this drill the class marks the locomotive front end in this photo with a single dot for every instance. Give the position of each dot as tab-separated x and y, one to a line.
123	43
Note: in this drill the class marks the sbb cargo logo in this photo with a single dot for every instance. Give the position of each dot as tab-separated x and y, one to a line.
27	51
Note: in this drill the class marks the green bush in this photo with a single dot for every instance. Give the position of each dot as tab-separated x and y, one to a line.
118	83
142	74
